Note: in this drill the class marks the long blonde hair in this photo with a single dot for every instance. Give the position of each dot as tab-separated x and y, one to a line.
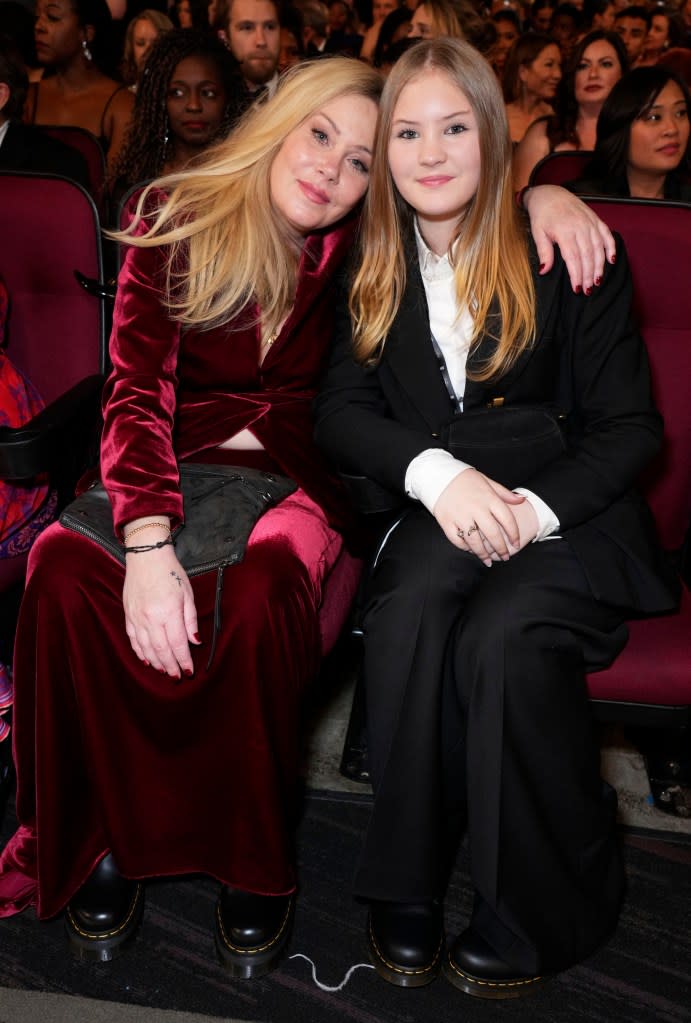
489	248
228	246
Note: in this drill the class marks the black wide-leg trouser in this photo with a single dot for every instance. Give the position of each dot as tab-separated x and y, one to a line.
478	718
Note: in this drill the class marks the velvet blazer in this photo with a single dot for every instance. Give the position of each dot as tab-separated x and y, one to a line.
588	357
175	392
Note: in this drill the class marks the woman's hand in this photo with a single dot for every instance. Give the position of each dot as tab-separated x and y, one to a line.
476	515
160	616
559	218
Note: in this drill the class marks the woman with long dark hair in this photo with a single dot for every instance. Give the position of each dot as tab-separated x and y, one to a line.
643	145
598	62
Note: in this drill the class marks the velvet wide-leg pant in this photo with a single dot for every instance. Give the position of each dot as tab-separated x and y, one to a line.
195	775
478	718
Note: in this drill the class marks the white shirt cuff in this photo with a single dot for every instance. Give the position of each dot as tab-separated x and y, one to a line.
547	521
430	473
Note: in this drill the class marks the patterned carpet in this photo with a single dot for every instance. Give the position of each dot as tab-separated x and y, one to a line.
642	976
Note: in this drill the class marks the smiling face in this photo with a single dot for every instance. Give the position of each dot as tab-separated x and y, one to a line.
596	73
659	138
434	154
195	101
321	171
57	32
541	78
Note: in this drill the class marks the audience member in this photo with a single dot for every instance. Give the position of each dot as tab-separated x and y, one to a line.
508	29
380	8
215	362
189	97
24	147
292	49
481	617
254	38
71	37
565	28
632	24
434	18
315	20
678	60
598	62
142	32
394	27
643	148
540	15
666	30
190	14
531	76
17	24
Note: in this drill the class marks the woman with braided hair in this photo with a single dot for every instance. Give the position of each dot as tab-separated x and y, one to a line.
188	97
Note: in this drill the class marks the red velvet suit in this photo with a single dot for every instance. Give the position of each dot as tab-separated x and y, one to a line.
195	776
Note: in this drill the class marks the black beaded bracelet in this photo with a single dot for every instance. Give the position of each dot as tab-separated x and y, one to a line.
148	547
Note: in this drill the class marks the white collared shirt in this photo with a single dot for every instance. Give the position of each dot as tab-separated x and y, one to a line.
430	473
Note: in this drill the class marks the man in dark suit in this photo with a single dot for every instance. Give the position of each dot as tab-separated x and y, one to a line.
25	147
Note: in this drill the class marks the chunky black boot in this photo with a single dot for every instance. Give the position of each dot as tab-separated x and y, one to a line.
104	914
252	931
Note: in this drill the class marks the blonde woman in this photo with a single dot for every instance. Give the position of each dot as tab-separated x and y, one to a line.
153	761
142	33
490	600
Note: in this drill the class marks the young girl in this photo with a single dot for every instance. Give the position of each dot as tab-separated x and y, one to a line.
487	605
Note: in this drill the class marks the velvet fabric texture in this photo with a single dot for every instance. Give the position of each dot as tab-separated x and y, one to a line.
197	775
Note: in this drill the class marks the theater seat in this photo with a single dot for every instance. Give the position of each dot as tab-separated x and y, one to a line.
557	168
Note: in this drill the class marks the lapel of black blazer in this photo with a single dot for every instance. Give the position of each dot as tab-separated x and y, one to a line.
546	290
410	356
14	152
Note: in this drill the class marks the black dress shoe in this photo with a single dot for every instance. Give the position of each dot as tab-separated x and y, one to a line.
474	967
252	931
104	914
405	941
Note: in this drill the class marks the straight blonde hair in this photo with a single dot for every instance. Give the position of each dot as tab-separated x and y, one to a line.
228	246
489	248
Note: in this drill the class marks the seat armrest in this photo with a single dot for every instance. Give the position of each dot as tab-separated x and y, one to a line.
26	451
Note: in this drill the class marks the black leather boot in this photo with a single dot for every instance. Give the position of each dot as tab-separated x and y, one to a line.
252	931
474	967
104	914
405	941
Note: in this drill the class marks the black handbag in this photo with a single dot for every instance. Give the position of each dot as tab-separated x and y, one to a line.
507	443
221	505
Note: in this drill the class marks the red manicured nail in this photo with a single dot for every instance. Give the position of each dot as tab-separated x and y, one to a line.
587	291
188	672
577	289
598	282
196	638
613	258
542	267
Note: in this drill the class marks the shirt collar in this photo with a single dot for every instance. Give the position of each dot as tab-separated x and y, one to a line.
432	266
4	128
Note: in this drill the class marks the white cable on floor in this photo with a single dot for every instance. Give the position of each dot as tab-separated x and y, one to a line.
326	987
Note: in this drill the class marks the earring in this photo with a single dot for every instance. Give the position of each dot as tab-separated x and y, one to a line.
86	51
166	140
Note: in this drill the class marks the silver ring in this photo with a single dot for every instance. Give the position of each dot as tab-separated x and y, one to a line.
473	529
459	532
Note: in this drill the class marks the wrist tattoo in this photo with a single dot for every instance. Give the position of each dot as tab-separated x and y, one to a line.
176	576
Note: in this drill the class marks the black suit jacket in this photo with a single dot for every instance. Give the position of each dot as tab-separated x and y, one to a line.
588	358
27	148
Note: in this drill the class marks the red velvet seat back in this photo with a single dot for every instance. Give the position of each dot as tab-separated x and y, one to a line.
49	228
557	168
657	236
90	148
